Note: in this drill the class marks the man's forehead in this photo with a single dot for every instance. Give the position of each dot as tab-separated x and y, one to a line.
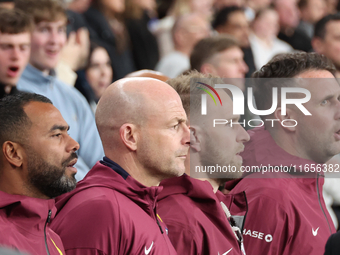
59	22
15	38
42	114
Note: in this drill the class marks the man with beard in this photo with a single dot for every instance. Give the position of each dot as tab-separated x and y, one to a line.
195	212
36	165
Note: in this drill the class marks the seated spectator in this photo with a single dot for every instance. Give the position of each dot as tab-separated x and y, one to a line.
96	77
36	165
193	209
289	20
15	40
187	31
107	29
163	27
48	39
263	40
143	128
138	17
233	21
311	11
325	40
220	56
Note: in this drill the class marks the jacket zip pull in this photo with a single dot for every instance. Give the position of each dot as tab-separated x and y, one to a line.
159	225
47	221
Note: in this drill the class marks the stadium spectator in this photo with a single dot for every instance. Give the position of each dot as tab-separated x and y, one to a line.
311	11
220	56
139	15
187	31
143	128
15	40
263	40
96	77
289	20
286	210
107	29
48	38
194	211
163	27
325	40
36	165
233	21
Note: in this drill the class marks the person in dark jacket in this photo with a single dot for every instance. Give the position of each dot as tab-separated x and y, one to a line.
107	29
15	40
36	165
142	124
284	161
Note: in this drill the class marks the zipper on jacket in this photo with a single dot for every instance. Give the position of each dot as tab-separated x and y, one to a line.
47	221
317	188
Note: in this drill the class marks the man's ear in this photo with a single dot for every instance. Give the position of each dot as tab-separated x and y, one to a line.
318	45
195	141
287	120
208	68
13	153
128	134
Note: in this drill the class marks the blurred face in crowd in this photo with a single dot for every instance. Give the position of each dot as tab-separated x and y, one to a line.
288	13
7	5
227	64
267	24
330	45
14	51
313	11
99	72
222	144
48	39
190	30
237	25
50	151
204	7
116	6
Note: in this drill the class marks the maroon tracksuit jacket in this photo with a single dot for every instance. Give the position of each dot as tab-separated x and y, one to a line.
110	213
22	225
196	221
286	211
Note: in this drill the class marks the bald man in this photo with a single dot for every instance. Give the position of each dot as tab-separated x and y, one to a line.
142	125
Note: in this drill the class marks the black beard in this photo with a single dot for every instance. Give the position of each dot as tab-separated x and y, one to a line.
48	179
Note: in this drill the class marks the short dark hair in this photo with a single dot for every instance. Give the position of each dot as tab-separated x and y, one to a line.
206	48
14	121
42	10
320	26
222	16
14	21
287	65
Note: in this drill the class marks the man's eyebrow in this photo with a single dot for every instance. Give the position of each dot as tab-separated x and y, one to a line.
60	127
